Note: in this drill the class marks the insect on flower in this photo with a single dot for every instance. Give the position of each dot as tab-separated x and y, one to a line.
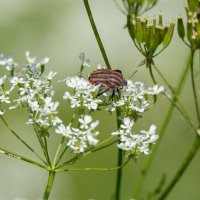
108	79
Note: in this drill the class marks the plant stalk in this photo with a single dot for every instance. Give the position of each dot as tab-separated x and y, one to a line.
194	87
119	163
49	185
94	28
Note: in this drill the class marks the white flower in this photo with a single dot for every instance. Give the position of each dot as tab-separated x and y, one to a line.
155	90
29	57
64	130
16	80
78	139
83	93
45	60
51	75
132	142
2	80
128	124
85	120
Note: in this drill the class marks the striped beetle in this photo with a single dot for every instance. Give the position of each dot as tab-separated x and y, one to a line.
108	79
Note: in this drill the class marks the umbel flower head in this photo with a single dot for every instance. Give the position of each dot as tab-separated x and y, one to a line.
191	33
150	37
35	91
134	99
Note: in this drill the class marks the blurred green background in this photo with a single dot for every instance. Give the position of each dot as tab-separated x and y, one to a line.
60	29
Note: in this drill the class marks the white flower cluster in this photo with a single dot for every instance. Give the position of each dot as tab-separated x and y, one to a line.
83	95
35	91
135	97
78	139
139	143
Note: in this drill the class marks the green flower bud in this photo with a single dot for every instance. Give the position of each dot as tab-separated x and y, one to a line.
131	26
197	26
160	21
180	28
139	34
189	30
168	36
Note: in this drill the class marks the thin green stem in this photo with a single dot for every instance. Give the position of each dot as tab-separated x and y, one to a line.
47	151
17	156
101	47
185	115
96	169
89	151
120	161
151	74
181	107
181	170
56	159
103	147
41	143
49	185
194	87
147	164
21	140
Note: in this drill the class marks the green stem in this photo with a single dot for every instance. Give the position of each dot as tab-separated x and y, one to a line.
47	151
151	74
147	164
21	140
194	87
56	159
14	155
181	107
89	151
184	114
49	185
100	148
120	161
95	169
182	169
41	143
87	7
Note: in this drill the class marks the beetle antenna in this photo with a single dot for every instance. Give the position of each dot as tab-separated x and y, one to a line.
133	74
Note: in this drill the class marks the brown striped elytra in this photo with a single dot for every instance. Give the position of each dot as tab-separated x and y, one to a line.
108	79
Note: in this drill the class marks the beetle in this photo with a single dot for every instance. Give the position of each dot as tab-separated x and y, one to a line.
108	79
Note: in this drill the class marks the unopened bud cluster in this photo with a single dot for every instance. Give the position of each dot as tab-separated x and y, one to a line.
190	33
151	37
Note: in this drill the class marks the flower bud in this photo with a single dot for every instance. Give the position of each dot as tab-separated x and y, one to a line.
189	30
139	33
130	26
168	36
180	28
160	21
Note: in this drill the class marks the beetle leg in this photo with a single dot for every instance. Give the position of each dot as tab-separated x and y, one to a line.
118	92
113	93
100	93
